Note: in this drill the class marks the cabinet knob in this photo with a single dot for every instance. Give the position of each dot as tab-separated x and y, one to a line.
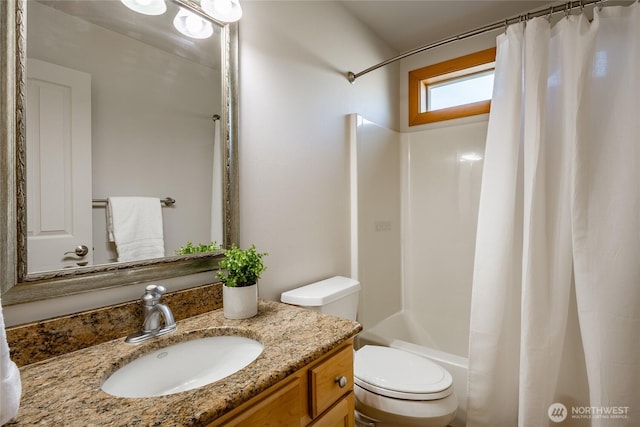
341	381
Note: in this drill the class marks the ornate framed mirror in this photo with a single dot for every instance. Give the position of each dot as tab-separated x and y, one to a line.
19	283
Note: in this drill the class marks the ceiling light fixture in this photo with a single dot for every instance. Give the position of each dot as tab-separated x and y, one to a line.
191	25
223	10
146	7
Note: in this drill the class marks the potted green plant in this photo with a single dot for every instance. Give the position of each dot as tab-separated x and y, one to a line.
239	272
190	248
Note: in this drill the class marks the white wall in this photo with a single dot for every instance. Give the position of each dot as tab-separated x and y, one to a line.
294	153
379	228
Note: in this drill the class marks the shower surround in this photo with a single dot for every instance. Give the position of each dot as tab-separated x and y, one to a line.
415	210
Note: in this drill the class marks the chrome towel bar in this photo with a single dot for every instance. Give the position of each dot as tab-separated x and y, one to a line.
101	203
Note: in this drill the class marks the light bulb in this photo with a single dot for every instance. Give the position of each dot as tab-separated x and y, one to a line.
223	10
146	7
191	25
194	24
224	6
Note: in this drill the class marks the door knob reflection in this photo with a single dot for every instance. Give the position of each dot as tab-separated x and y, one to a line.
80	250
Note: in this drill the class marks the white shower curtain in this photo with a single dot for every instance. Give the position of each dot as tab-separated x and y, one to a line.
560	201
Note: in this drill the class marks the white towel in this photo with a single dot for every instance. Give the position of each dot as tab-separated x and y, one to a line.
10	384
135	225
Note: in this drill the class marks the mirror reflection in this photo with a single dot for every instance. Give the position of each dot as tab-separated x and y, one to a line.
119	104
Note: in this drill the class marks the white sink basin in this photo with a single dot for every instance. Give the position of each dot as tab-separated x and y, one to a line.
183	366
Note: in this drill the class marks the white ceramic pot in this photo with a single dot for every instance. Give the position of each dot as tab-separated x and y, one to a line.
240	302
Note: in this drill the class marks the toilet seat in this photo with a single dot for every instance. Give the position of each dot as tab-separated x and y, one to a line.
400	375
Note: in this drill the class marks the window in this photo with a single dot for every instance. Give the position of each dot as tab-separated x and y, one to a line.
457	88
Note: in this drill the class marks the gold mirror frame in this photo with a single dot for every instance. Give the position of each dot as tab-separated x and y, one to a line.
16	285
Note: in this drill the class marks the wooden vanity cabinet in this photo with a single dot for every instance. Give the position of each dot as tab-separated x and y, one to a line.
318	395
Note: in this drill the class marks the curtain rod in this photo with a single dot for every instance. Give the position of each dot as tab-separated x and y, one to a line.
566	8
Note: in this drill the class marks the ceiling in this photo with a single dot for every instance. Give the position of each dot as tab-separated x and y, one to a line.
406	25
403	24
157	31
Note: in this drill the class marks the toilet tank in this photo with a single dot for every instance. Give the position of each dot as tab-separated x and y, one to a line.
337	296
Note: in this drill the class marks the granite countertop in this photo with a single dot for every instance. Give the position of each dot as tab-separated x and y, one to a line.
65	390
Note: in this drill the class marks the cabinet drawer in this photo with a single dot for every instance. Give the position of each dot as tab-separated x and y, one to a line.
324	380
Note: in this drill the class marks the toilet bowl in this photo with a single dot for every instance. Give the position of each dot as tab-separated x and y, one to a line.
397	388
393	388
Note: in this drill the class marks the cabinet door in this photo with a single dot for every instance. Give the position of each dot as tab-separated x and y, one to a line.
340	415
280	408
330	380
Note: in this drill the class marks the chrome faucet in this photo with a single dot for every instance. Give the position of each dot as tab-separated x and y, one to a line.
158	318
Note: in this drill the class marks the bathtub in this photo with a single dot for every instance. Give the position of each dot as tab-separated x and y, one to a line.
396	331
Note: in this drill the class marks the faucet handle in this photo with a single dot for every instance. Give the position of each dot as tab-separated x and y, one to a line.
156	289
153	293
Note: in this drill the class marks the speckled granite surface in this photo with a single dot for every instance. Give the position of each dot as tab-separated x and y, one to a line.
65	390
39	341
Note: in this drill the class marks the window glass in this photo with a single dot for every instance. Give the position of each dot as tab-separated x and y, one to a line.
460	91
448	90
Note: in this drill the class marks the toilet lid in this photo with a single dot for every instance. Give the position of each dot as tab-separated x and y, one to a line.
400	374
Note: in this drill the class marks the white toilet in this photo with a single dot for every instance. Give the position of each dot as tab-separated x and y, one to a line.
393	388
